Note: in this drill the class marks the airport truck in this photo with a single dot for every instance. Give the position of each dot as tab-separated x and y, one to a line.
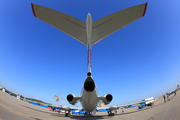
146	102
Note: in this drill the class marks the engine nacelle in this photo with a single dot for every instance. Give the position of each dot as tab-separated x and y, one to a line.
72	99
107	98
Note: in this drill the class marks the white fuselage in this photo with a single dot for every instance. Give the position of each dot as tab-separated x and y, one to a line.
89	100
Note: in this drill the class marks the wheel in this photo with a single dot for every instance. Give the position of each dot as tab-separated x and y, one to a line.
67	114
111	114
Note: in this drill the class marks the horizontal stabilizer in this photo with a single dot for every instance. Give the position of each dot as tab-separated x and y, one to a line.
100	28
65	23
111	23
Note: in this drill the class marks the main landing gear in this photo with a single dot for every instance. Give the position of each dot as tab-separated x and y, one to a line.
67	114
88	113
110	113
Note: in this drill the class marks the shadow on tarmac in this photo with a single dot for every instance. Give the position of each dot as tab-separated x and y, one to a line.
95	117
82	117
36	118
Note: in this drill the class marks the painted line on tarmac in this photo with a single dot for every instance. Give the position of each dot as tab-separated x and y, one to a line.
160	109
28	115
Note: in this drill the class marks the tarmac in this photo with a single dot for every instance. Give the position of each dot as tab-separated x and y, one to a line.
13	109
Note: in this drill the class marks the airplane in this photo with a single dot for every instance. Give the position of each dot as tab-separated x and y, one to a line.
89	33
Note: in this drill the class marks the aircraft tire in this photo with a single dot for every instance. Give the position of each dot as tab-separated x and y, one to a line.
111	114
67	115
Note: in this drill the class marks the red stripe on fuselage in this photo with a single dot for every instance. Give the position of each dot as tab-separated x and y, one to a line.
88	55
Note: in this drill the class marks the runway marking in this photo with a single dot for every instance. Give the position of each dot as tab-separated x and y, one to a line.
160	109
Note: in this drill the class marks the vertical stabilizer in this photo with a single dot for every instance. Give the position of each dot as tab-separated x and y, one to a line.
89	31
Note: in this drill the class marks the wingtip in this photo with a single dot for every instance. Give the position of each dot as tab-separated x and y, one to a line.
144	9
33	9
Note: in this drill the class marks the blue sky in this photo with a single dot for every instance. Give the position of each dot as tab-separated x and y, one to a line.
138	61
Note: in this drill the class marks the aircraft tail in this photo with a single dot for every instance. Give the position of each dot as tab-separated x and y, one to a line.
100	28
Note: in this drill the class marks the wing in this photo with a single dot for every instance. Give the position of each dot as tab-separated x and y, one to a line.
66	108
111	108
65	23
108	108
111	23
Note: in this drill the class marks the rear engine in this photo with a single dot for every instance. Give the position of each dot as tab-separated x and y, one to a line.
107	99
89	84
72	99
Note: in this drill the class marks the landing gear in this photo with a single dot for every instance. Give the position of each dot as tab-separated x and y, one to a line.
67	114
110	113
88	113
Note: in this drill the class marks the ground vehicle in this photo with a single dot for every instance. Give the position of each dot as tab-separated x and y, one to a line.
141	105
146	102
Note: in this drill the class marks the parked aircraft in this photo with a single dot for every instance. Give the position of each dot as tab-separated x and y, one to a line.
89	33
